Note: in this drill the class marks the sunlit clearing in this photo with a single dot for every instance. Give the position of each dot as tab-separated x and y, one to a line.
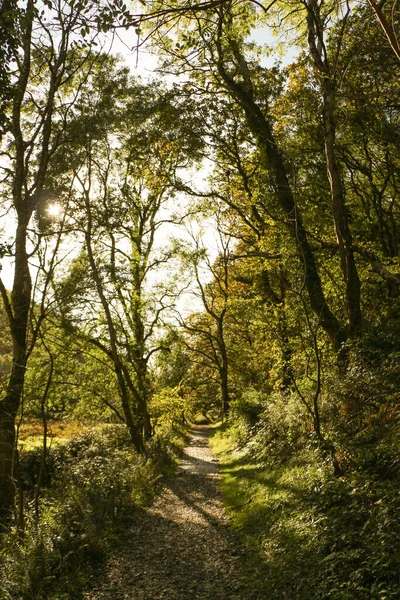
54	210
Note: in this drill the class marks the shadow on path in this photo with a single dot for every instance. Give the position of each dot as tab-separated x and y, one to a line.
182	547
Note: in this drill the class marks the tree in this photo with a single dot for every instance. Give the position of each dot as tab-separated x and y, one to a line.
228	69
48	61
326	67
209	329
122	200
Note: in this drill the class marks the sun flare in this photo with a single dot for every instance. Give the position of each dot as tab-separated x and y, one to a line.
54	210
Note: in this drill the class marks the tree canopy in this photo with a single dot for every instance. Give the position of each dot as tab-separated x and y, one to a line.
219	238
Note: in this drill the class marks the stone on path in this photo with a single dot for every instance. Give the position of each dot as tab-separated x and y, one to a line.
181	548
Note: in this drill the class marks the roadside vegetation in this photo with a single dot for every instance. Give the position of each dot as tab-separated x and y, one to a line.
94	486
317	535
221	239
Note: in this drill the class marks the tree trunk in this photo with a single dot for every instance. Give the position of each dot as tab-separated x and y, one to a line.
9	405
224	377
134	430
342	229
286	351
144	413
7	442
18	310
224	392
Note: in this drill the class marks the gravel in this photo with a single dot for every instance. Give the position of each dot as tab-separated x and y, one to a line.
181	548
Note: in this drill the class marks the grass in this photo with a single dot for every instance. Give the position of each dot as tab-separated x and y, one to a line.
31	432
316	536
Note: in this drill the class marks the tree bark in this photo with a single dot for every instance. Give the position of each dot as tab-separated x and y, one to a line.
259	123
327	78
224	372
18	309
9	405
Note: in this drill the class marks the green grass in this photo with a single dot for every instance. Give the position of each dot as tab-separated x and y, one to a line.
30	434
316	536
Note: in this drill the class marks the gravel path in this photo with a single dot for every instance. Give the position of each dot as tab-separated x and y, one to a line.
181	548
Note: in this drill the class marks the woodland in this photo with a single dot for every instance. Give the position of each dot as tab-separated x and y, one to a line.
216	242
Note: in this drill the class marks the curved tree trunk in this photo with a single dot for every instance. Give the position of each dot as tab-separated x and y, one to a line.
340	219
259	123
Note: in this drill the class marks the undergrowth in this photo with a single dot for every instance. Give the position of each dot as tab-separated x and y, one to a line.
318	536
94	485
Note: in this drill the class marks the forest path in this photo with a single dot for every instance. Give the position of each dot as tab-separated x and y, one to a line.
181	548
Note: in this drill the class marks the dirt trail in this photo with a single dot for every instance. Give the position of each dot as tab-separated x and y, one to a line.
181	548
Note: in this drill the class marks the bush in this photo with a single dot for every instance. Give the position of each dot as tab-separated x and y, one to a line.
318	536
269	428
249	406
363	411
97	482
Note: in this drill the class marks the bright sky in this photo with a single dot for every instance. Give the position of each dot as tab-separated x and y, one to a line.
143	63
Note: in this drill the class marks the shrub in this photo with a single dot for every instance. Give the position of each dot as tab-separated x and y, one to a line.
97	482
318	536
269	428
